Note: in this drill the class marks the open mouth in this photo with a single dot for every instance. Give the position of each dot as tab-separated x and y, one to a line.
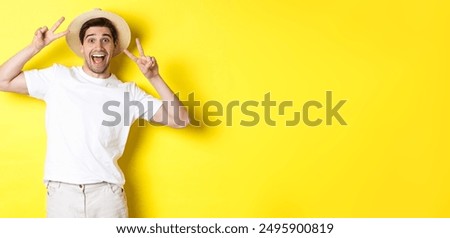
98	58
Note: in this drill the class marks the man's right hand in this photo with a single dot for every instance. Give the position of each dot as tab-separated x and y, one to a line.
12	79
43	36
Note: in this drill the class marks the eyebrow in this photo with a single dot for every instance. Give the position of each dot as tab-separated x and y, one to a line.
108	35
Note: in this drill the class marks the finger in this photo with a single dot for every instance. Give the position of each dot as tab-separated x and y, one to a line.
154	63
43	29
57	24
148	65
38	32
59	35
130	55
139	46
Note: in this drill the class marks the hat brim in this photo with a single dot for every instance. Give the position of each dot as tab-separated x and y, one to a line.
123	30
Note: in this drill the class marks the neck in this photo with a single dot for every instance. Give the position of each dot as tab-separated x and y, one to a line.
103	75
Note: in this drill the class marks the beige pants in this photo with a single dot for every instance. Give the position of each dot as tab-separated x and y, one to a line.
86	200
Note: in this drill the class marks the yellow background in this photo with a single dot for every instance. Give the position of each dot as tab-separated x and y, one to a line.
388	59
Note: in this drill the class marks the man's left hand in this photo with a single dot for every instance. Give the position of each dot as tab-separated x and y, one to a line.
147	64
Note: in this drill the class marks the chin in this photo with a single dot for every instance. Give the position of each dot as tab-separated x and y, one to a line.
98	70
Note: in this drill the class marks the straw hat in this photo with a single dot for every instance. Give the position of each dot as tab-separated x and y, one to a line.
123	30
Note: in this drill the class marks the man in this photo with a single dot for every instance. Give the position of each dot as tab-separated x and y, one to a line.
83	145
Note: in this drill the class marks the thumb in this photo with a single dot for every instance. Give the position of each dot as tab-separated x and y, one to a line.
38	32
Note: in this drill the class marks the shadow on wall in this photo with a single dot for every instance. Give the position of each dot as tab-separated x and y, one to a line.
184	82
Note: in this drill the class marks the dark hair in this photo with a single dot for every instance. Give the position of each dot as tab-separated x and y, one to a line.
101	21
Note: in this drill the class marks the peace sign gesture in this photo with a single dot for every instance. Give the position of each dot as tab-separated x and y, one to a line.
147	64
43	36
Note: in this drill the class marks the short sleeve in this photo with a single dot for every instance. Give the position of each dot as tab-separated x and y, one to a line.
149	104
38	81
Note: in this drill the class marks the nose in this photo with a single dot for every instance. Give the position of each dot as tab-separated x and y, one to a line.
98	45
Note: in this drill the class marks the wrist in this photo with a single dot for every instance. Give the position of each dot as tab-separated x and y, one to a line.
155	77
34	49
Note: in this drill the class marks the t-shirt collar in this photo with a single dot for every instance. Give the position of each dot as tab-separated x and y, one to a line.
104	82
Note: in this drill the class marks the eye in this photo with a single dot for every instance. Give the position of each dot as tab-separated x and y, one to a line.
91	40
105	40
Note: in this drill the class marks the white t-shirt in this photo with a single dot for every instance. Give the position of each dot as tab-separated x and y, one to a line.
87	121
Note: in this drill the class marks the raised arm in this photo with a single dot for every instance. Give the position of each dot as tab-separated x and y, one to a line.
12	78
172	112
